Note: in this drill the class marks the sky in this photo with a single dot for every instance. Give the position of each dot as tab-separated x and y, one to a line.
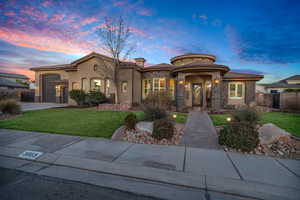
251	36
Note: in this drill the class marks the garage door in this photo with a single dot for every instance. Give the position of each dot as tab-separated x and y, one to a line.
49	92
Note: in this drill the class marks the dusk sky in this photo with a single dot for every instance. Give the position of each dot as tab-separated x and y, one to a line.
254	36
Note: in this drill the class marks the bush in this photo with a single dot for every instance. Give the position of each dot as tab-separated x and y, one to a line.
246	114
79	96
94	98
10	106
163	128
239	135
130	121
6	94
154	113
162	99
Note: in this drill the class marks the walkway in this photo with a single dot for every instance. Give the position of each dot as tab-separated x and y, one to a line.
199	131
40	106
194	168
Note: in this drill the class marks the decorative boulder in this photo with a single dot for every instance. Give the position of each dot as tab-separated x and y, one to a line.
144	126
270	133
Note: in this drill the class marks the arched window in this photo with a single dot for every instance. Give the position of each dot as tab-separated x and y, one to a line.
95	67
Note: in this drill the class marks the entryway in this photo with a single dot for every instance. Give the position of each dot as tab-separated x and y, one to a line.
197	92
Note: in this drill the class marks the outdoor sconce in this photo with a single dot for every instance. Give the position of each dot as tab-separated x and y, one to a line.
181	82
217	81
174	116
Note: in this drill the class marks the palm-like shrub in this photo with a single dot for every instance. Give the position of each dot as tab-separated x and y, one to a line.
130	121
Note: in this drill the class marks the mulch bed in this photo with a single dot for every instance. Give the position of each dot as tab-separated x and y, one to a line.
143	137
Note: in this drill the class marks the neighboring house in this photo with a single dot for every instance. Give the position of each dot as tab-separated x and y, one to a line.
193	79
292	82
8	84
17	78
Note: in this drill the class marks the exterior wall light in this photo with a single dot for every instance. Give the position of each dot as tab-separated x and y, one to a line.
228	119
174	116
217	81
181	82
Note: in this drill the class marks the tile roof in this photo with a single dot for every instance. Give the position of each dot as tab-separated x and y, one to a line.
283	83
8	83
232	75
11	75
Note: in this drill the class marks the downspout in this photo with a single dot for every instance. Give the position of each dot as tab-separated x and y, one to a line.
132	82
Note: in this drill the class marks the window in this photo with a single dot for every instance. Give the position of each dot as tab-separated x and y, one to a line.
153	85
236	90
107	85
95	67
84	84
75	86
96	84
172	88
124	86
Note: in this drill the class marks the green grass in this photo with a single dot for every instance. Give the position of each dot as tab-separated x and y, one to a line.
287	121
69	121
91	123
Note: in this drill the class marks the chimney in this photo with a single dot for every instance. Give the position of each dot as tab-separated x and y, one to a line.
140	61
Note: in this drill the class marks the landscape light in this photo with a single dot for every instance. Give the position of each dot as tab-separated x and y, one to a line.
228	119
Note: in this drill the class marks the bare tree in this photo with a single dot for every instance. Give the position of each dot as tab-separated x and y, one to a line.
115	37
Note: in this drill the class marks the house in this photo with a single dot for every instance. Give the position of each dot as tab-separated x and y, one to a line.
292	82
193	79
13	81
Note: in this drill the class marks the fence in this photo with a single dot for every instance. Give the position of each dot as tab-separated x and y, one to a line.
287	101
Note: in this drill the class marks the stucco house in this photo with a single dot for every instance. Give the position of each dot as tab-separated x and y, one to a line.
292	82
193	79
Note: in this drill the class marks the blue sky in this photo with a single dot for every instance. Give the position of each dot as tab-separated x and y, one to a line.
257	36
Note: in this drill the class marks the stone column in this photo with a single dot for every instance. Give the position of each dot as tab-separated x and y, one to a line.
216	91
180	91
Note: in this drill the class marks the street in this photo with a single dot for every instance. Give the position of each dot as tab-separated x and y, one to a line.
18	185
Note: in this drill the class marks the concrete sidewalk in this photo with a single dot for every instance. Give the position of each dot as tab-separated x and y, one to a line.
212	170
40	106
199	131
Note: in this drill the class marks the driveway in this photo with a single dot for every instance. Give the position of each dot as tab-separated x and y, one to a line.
40	106
250	175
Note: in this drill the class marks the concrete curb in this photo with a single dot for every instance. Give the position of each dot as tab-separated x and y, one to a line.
117	132
177	179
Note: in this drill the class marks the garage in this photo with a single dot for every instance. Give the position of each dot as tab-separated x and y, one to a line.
49	90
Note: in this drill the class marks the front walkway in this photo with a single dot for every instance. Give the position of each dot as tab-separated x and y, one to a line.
40	106
212	170
199	131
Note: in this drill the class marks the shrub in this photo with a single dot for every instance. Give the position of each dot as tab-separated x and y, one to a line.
79	96
130	121
94	98
8	95
161	99
154	113
239	135
246	114
163	128
10	106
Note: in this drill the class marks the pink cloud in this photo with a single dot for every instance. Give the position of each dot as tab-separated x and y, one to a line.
47	41
89	20
137	31
31	11
145	12
10	13
119	3
57	19
47	3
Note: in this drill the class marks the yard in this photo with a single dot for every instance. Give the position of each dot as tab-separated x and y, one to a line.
79	122
287	121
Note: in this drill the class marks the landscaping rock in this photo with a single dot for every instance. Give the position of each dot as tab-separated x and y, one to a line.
270	133
144	127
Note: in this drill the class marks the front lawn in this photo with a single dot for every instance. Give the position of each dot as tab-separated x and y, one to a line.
90	123
287	121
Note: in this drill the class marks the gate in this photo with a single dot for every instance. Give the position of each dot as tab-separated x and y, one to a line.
276	100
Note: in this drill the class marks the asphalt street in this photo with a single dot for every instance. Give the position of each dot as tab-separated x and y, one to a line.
18	185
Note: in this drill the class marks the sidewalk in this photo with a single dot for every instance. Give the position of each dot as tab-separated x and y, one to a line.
202	169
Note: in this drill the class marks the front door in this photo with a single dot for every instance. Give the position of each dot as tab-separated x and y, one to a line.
197	94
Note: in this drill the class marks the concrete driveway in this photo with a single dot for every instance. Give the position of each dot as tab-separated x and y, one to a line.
40	106
249	175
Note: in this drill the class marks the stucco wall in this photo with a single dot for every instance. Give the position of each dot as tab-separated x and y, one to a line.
185	61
